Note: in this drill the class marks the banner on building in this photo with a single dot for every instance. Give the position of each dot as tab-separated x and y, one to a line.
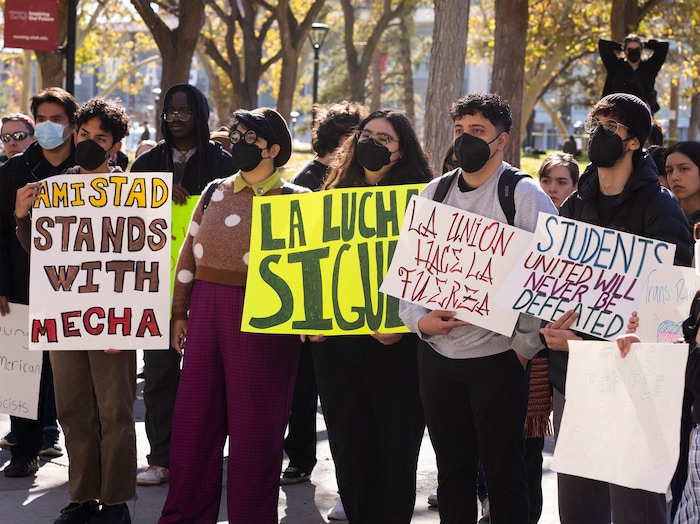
31	24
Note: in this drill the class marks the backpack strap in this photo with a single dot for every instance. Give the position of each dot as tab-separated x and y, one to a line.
506	191
210	191
444	185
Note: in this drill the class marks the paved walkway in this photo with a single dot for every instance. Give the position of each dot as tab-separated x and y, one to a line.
39	499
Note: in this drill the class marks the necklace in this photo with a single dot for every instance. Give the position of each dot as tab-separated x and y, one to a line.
184	154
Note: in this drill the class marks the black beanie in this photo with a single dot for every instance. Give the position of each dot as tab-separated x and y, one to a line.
632	110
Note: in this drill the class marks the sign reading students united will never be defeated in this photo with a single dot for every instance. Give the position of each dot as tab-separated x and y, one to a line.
100	262
594	271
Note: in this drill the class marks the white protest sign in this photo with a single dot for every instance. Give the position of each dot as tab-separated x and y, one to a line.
20	369
595	271
100	262
622	416
451	259
667	294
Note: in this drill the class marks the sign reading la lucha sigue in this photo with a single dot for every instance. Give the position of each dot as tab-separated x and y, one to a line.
317	261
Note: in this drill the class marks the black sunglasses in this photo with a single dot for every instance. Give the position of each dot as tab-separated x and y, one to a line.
17	135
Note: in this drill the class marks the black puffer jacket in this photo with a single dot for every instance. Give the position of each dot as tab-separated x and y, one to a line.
643	208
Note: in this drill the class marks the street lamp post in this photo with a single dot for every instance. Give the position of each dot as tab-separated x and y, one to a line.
316	36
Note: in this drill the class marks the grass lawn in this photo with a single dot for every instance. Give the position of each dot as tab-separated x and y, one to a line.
531	164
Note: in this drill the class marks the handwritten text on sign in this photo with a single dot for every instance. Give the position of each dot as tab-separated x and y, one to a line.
451	259
317	260
20	369
622	416
593	270
100	262
667	294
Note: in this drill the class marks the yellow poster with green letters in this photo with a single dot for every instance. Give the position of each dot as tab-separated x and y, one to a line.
317	261
182	215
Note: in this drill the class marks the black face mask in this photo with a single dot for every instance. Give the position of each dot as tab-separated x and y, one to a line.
246	157
472	152
372	155
89	155
633	55
604	149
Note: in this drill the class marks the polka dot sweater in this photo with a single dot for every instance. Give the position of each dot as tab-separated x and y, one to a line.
217	245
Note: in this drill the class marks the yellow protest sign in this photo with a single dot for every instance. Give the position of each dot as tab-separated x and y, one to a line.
317	261
182	215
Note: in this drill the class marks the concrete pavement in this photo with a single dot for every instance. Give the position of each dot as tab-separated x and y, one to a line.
39	499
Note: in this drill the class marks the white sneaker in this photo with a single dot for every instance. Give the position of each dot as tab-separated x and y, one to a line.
337	512
433	500
152	476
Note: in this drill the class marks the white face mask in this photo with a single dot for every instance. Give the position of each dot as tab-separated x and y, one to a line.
50	134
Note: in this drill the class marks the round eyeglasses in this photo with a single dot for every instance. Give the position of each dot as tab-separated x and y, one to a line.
18	136
183	115
250	136
382	138
609	125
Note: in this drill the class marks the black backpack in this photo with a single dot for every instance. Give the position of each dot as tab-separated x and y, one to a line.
506	189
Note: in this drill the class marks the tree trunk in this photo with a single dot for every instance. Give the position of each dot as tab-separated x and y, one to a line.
293	36
50	63
218	98
26	81
375	98
625	16
360	63
447	57
176	45
694	117
508	75
407	29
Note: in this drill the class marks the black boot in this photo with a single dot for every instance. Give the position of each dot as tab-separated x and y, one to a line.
78	512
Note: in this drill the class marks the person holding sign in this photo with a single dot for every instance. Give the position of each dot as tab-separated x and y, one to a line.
474	383
52	153
620	190
95	390
368	384
234	384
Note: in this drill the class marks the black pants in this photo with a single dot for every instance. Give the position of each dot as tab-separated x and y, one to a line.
533	463
300	443
161	373
371	404
476	408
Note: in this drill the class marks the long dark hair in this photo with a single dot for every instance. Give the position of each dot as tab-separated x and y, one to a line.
411	168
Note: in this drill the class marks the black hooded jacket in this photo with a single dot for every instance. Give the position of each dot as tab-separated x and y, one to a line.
26	167
210	161
644	208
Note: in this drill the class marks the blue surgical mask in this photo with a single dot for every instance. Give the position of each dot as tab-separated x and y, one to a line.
49	134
